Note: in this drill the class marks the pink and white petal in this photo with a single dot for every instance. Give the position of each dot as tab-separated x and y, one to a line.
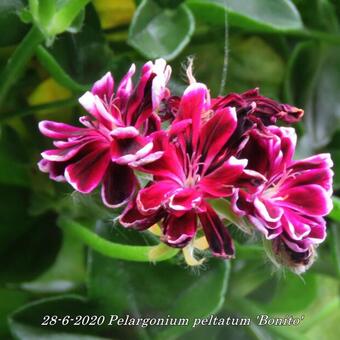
103	87
159	90
151	198
296	226
309	199
179	231
217	234
221	182
88	172
184	199
168	166
54	169
195	101
268	210
322	160
60	130
124	132
125	88
269	230
94	105
320	176
119	184
132	218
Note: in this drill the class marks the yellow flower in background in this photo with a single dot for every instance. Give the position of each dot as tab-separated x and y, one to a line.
113	13
48	91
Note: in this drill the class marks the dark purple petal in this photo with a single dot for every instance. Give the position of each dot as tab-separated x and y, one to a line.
218	237
119	184
88	172
178	231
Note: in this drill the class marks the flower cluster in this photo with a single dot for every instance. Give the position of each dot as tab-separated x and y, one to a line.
227	147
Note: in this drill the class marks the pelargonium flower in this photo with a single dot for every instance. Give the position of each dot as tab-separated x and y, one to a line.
288	208
194	168
116	133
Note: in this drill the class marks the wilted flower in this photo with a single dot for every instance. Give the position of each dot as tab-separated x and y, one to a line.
289	206
117	133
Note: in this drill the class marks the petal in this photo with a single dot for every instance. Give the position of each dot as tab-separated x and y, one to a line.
268	209
54	169
95	106
217	234
296	226
271	230
88	172
131	217
168	166
193	104
309	199
60	130
159	90
125	88
215	133
151	198
178	231
185	199
221	182
119	184
103	87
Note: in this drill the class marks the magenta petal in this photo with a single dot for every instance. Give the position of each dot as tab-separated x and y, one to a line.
193	104
60	130
178	231
309	199
220	183
215	133
185	199
95	106
87	173
218	237
151	198
103	88
268	210
125	87
54	169
296	226
131	217
118	185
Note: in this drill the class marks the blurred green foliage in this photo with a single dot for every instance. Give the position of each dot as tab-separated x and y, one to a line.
290	49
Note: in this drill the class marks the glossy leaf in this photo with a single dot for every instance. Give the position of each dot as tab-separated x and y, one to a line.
267	15
313	80
158	32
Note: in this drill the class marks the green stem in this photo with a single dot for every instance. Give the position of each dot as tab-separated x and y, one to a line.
18	61
52	66
36	108
114	250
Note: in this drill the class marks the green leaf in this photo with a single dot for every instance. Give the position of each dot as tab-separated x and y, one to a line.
9	18
313	81
76	54
10	300
266	15
159	32
67	271
288	288
31	246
